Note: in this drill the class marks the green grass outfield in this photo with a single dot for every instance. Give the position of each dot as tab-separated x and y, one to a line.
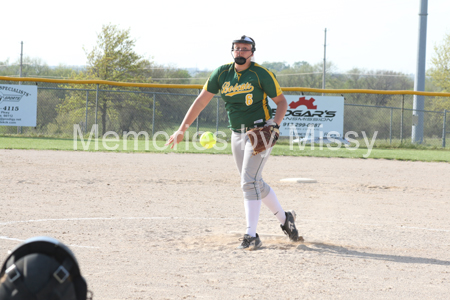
8	142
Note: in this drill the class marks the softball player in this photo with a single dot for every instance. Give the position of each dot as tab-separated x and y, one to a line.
244	86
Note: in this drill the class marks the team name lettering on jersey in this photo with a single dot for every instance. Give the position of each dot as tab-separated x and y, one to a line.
243	88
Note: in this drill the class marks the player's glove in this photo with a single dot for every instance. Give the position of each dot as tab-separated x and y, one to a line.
263	138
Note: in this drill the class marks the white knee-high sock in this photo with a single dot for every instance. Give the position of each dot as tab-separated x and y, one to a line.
271	201
252	208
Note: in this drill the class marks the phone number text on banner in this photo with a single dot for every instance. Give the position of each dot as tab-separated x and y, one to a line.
18	105
323	114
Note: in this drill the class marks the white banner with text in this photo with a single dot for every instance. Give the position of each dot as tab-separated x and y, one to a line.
323	113
18	105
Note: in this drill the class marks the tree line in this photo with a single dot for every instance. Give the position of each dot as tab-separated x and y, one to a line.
113	58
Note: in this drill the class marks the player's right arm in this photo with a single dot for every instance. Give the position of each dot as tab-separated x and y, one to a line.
211	87
199	104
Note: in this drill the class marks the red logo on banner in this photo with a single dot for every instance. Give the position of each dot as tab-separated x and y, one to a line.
302	101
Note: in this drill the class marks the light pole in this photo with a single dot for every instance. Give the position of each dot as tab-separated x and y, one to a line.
324	61
419	82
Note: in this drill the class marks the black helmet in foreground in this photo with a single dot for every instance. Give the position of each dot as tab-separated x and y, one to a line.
42	268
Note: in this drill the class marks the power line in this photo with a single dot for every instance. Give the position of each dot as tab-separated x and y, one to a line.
19	65
168	78
359	74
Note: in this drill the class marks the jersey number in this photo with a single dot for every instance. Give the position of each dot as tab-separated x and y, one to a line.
249	99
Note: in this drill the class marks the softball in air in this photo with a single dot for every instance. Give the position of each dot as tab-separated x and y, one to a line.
207	140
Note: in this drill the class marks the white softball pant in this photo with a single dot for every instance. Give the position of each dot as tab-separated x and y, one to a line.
250	167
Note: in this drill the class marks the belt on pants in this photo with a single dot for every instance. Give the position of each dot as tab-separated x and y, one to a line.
244	130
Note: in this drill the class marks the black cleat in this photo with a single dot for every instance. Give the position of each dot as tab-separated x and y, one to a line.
250	243
289	227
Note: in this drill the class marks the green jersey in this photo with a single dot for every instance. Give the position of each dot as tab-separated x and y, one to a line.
245	93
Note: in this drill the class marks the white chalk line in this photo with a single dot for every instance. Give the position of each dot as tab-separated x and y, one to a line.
114	218
11	239
198	218
101	219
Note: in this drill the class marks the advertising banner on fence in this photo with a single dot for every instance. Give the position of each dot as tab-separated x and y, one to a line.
18	105
324	114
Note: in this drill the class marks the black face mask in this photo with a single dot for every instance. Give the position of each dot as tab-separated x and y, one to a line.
240	60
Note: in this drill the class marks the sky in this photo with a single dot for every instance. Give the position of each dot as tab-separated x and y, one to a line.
369	35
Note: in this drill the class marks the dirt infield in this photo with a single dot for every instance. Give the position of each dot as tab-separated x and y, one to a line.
161	226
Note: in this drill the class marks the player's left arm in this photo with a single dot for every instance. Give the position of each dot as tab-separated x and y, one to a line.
282	105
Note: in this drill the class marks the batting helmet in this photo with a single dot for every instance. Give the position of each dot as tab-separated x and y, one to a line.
42	268
245	40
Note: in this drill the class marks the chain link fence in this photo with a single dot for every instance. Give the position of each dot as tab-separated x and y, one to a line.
150	111
391	117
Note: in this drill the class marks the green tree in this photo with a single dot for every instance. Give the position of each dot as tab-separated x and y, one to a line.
440	70
48	99
8	69
168	75
440	73
121	108
35	67
374	80
200	77
114	59
275	66
31	67
302	74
